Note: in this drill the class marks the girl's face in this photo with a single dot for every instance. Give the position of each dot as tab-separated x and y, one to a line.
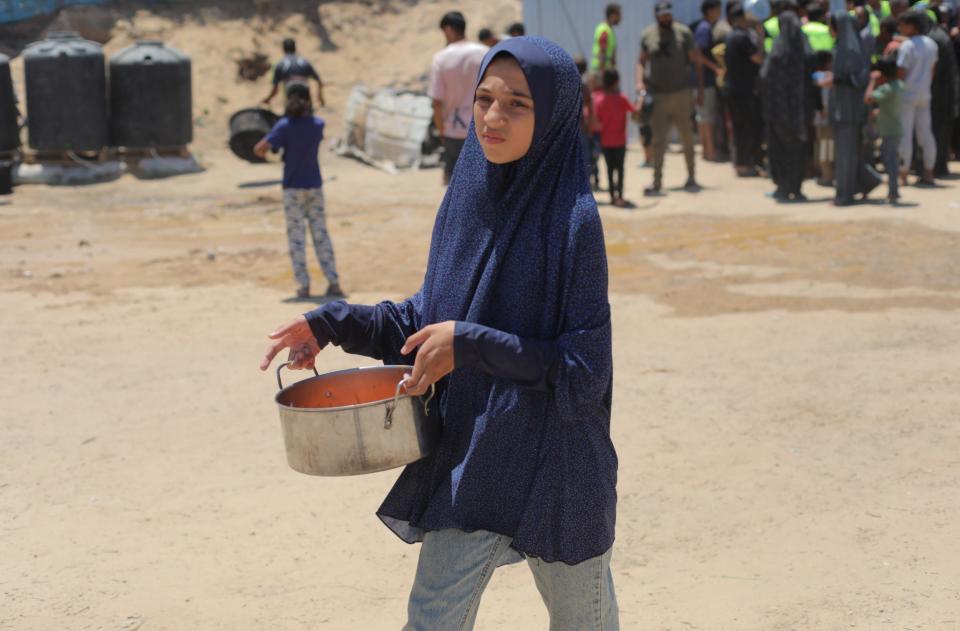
503	112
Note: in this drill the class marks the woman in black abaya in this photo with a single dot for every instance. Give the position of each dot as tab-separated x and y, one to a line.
785	87
848	113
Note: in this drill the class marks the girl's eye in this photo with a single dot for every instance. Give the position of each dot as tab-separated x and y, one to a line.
519	104
481	98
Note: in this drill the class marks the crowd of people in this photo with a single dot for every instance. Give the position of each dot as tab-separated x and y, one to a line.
793	93
787	90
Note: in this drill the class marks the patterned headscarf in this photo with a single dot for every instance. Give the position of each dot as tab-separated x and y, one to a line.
492	211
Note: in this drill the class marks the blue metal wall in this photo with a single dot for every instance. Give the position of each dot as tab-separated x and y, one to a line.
570	23
16	10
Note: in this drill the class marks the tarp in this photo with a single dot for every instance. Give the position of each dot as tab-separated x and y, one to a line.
389	129
16	10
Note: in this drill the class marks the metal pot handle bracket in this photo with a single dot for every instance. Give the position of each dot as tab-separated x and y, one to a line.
284	365
392	405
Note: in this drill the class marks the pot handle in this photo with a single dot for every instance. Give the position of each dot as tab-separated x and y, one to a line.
392	405
284	365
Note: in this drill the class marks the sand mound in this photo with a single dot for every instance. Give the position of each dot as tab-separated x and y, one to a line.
376	43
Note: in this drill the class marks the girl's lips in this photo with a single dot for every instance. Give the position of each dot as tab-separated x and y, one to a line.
492	140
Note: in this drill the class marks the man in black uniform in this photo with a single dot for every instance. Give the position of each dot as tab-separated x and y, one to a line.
293	68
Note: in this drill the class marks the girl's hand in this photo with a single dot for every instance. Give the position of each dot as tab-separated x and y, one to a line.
434	359
298	337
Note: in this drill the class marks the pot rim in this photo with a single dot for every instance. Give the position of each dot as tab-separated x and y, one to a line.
343	408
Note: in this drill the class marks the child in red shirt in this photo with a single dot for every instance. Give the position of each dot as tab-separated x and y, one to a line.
595	83
611	108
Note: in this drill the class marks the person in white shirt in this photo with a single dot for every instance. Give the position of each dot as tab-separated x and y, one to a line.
916	58
453	76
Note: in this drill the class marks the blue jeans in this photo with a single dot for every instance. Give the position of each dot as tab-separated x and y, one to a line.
889	153
455	567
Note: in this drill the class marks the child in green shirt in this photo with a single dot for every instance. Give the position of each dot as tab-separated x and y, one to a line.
887	97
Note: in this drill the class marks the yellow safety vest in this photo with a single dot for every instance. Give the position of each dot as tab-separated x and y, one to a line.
885	9
772	27
818	34
874	22
604	27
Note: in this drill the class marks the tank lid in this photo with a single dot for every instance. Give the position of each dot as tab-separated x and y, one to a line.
148	51
61	43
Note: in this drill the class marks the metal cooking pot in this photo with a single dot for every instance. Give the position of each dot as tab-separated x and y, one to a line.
354	421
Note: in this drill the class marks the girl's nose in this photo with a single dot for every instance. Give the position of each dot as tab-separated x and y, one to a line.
494	116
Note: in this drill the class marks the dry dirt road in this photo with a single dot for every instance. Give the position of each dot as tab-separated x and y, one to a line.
786	410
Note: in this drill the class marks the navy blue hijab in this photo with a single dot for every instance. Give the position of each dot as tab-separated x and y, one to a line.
486	204
519	248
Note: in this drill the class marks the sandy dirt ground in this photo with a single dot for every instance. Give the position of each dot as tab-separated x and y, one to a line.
786	408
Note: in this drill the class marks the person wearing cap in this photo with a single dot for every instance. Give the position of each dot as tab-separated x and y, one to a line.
293	68
668	52
605	40
299	134
452	76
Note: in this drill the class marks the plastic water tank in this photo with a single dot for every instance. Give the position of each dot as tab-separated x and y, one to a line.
9	134
150	97
66	94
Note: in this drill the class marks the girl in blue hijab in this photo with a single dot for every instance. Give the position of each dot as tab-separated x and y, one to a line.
512	324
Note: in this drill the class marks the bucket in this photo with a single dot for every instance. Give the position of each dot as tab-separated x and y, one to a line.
247	128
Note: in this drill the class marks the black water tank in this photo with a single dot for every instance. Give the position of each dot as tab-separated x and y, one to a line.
66	94
150	97
9	133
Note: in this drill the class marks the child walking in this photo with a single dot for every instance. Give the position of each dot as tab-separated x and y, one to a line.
299	134
888	98
512	326
595	83
611	109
